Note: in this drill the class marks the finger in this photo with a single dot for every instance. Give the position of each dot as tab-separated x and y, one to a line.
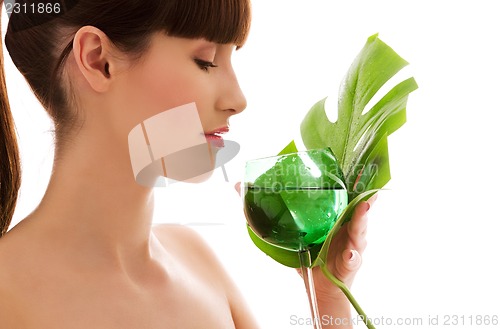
359	244
237	187
372	199
359	221
349	263
352	259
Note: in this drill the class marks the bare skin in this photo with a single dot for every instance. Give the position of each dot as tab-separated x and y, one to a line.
88	256
48	284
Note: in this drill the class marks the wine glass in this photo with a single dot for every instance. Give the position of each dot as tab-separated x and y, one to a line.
292	201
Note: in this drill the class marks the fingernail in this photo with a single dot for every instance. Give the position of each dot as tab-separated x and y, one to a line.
368	206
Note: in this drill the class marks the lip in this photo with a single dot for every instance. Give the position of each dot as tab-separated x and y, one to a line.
215	140
214	137
221	130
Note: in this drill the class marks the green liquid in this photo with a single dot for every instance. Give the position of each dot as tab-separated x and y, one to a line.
293	218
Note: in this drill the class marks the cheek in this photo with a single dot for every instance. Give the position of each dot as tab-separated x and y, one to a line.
150	90
161	90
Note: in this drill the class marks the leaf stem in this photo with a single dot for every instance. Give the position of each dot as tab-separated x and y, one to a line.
348	294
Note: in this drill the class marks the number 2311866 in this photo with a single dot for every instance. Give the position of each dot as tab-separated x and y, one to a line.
34	8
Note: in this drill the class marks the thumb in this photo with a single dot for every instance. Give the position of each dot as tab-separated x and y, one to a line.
351	259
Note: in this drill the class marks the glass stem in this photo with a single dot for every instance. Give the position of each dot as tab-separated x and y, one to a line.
305	263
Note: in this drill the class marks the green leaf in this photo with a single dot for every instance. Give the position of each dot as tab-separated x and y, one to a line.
355	136
290	148
359	141
283	256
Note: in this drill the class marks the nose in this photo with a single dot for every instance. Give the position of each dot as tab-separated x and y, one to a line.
231	97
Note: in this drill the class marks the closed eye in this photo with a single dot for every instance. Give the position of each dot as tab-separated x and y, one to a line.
204	65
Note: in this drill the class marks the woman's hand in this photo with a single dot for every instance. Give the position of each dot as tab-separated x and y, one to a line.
344	261
344	258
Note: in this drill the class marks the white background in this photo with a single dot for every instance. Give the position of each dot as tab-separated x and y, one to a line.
433	243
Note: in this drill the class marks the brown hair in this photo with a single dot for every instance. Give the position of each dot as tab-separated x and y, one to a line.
39	44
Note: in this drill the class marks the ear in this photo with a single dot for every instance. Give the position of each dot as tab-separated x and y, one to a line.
91	48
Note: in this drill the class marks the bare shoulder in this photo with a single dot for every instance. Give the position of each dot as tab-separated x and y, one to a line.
190	250
197	253
9	271
20	255
166	232
9	249
186	243
12	258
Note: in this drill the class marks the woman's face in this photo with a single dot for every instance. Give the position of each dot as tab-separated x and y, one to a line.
177	71
174	72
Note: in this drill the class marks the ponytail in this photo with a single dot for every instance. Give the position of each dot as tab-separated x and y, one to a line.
10	167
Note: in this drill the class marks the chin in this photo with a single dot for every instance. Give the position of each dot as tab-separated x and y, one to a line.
192	165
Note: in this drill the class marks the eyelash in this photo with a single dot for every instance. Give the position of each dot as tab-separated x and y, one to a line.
204	65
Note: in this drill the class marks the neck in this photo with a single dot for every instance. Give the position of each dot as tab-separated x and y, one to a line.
94	202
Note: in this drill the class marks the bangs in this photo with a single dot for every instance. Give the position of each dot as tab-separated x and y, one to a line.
219	21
